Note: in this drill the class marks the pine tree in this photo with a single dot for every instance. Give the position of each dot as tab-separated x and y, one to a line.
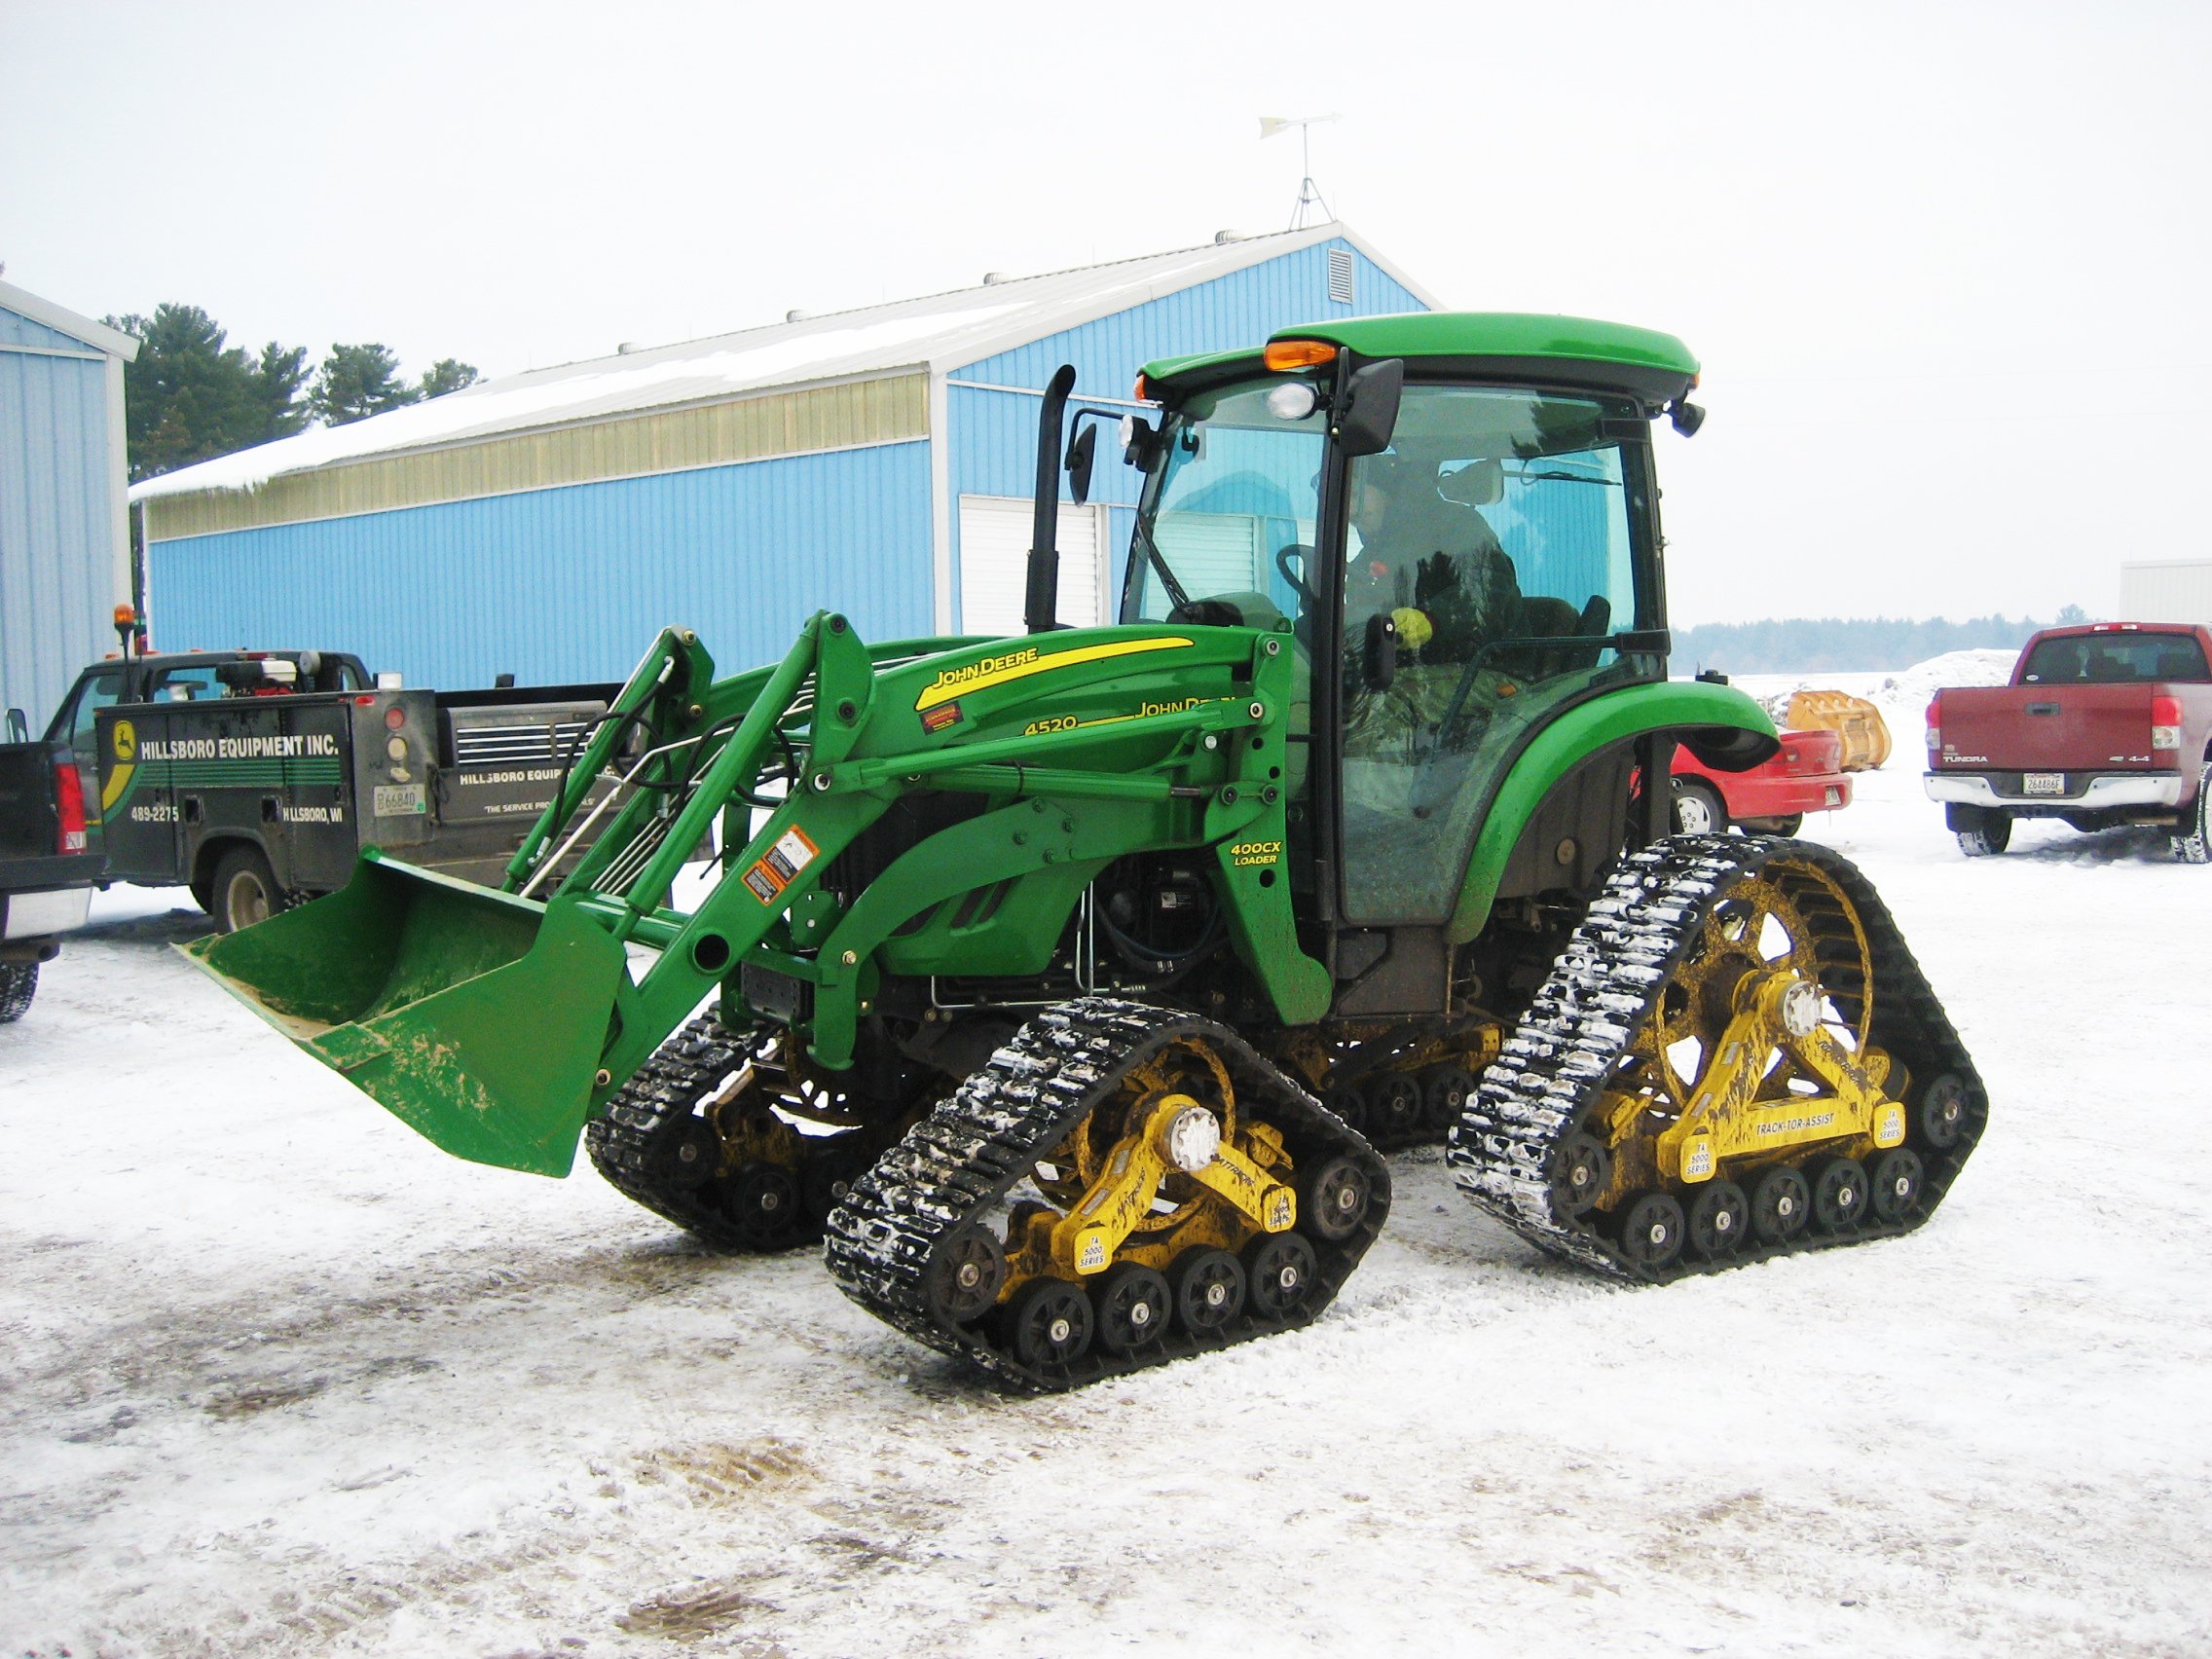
190	395
446	375
357	382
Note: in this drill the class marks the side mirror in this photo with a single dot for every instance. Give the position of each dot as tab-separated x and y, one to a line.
1370	413
1081	454
1380	662
18	728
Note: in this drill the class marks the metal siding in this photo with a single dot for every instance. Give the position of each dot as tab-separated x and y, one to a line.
57	521
993	434
2167	591
16	329
571	584
893	409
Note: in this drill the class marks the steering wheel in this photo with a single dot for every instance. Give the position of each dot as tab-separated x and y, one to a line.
1293	578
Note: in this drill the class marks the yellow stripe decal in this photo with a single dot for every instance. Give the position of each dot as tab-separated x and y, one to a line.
118	780
990	671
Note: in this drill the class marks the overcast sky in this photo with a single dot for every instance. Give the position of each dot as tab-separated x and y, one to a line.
1945	265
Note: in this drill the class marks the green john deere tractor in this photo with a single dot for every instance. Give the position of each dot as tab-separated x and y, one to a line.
1067	985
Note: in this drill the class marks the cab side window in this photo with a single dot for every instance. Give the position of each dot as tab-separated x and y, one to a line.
96	693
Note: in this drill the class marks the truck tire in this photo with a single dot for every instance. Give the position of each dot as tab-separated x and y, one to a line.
19	983
1697	809
1993	836
244	889
2194	844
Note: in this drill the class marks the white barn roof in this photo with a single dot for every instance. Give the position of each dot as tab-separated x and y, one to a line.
937	332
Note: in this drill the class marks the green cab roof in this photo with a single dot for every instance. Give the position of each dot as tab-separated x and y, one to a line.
1521	337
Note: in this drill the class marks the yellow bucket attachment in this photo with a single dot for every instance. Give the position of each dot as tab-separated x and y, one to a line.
1866	735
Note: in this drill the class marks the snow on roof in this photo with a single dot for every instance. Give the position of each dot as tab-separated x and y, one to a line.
937	332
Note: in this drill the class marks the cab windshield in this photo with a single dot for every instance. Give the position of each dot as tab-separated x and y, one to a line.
1226	524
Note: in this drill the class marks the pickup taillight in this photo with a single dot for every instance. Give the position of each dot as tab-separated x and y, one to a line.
69	807
1935	724
2165	722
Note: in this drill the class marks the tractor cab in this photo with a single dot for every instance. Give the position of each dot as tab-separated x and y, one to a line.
1454	519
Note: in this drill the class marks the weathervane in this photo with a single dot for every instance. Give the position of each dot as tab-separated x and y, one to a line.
1309	195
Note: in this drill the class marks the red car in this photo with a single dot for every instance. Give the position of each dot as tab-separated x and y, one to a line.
1805	776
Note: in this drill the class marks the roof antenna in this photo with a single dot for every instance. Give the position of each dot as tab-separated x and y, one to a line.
1309	194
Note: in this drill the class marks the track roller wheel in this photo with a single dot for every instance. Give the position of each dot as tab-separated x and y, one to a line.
1582	1170
1131	1302
687	1158
965	1277
1719	1220
1651	1229
1781	1205
1209	1291
1278	1271
1048	1323
1333	1199
1895	1184
763	1204
829	1176
1943	1112
1839	1195
1443	1093
1347	1104
1393	1107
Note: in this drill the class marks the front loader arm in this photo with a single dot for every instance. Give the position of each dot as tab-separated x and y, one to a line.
436	997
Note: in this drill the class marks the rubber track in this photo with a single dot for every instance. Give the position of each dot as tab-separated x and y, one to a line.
958	1163
628	1142
1600	990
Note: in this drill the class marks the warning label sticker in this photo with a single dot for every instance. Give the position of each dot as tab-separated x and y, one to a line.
777	868
941	717
791	853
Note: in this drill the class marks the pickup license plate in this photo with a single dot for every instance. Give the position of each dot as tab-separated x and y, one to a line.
397	801
2042	782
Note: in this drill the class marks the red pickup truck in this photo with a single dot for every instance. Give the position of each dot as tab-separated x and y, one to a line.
2103	724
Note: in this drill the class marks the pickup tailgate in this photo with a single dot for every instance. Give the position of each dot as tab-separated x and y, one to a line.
2058	728
27	826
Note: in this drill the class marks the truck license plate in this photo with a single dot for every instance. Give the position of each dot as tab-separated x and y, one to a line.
2042	782
397	800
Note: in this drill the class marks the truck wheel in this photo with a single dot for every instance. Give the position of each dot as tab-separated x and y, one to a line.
1992	838
2194	844
244	889
1698	810
19	983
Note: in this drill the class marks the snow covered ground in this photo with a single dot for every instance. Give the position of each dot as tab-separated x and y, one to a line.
277	1377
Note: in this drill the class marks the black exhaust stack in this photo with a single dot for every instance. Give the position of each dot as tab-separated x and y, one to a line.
1041	610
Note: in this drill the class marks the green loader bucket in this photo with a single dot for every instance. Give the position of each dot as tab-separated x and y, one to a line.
477	1019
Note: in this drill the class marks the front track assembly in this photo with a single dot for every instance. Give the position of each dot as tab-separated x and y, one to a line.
1735	1058
703	1135
1120	1186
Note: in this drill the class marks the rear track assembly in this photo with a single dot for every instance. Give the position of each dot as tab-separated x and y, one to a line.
1568	1138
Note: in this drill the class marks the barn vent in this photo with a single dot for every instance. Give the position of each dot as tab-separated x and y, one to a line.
1340	275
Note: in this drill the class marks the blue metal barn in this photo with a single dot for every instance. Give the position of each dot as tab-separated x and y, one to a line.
64	539
876	460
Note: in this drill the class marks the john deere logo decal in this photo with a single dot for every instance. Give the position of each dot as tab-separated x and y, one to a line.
126	741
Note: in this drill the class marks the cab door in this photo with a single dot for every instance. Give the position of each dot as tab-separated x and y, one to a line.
1492	555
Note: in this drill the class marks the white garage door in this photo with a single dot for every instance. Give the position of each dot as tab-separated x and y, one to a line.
994	563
